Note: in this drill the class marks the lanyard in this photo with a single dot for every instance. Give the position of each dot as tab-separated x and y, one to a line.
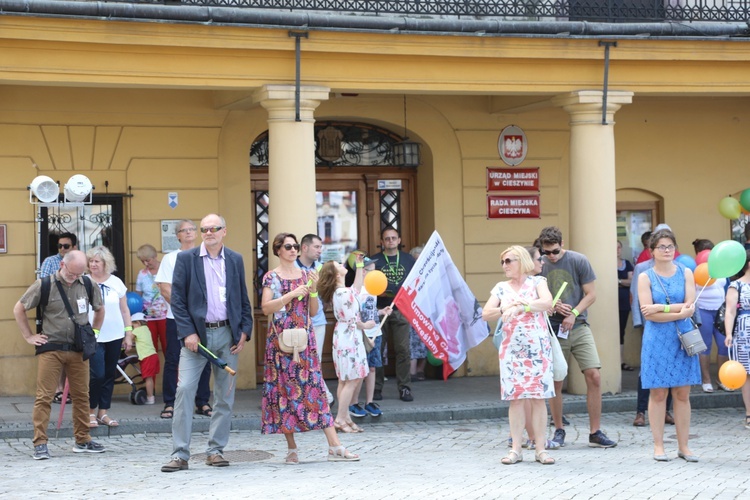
398	258
218	274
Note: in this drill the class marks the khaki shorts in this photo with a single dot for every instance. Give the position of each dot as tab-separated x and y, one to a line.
580	343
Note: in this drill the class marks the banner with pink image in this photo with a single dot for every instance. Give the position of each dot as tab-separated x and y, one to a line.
438	304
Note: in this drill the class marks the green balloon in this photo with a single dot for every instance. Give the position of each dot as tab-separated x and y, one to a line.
745	199
730	208
433	360
726	259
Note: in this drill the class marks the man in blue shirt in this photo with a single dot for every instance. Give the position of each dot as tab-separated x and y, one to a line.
65	243
311	246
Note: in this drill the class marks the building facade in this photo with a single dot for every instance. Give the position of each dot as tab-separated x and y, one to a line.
176	110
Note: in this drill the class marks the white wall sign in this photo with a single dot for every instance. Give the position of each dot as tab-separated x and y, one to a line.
172	200
169	241
512	145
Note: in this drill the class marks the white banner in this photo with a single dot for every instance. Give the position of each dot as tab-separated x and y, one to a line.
438	304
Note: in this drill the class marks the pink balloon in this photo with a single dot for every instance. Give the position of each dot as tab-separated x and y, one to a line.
702	256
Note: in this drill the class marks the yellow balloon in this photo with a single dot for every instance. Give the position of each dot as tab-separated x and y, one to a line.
376	282
730	208
732	374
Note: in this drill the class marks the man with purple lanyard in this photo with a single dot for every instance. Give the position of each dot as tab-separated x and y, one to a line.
211	307
311	246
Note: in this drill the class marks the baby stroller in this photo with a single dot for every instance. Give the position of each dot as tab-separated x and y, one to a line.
138	394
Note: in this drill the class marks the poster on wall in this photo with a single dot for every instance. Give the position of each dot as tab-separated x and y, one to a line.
512	179
737	227
169	241
513	206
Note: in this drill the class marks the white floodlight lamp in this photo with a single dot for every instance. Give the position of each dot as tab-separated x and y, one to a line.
44	189
77	189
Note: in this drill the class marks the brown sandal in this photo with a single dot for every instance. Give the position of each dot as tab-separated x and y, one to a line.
345	428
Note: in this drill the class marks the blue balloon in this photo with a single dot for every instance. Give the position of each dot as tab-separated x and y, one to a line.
135	302
686	261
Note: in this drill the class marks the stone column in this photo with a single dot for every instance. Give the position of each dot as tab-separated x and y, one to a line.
291	158
593	228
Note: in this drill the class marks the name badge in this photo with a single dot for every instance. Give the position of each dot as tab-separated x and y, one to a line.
82	306
563	334
223	293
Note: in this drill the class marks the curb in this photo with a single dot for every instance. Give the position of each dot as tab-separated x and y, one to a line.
573	405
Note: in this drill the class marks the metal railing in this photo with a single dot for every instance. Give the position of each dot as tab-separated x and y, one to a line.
571	10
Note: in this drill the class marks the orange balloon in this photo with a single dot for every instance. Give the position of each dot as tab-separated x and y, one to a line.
702	277
376	282
732	374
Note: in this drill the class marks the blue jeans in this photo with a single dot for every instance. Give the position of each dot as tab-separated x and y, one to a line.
102	371
219	341
171	365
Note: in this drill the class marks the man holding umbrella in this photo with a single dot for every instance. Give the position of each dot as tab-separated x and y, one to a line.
211	307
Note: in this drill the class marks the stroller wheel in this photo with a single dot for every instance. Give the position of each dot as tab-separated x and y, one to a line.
138	397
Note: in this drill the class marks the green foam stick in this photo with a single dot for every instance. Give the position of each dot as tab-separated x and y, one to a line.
559	292
309	282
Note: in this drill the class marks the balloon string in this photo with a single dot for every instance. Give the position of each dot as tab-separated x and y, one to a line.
699	293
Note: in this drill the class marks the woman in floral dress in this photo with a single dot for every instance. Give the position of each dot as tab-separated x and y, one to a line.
294	398
349	354
525	352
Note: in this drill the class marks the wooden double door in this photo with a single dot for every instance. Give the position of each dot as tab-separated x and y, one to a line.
352	206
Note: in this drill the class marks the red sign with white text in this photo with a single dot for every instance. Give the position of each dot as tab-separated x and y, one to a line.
513	207
512	179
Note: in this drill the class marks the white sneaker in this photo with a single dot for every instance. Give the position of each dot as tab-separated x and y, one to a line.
150	400
708	388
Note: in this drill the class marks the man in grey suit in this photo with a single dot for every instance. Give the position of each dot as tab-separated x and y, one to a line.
211	306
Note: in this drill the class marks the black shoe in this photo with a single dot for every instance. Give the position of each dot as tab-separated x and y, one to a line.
600	440
90	447
552	422
405	393
377	395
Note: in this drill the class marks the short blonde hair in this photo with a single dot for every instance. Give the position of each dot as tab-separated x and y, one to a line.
527	265
146	252
105	255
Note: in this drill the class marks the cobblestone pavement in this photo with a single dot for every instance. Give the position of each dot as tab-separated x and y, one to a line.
457	459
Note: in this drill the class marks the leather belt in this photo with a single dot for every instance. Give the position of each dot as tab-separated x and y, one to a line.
218	324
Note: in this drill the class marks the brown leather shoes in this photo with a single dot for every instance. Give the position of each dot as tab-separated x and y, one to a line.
175	465
668	418
640	420
216	460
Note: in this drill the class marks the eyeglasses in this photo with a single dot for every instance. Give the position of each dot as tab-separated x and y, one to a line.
389	238
666	248
556	251
187	230
211	229
64	245
507	262
289	246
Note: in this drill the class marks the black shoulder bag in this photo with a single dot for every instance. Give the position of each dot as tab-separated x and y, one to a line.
85	340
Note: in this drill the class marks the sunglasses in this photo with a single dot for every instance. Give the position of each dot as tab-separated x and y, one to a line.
64	245
507	262
556	251
289	246
211	229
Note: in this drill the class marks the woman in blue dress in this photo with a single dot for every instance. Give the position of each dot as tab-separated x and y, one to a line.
667	295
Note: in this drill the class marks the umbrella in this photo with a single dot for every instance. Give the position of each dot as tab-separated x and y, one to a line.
62	406
203	351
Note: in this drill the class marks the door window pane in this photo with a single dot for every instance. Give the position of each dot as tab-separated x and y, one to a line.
337	223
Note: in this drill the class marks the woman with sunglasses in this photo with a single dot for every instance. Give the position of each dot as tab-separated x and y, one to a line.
525	352
294	396
666	293
349	354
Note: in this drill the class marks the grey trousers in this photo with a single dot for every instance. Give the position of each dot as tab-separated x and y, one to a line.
219	341
398	328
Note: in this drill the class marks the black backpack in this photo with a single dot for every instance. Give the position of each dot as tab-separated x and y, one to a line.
44	299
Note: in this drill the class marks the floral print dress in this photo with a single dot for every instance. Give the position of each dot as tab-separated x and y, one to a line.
525	351
349	354
294	397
